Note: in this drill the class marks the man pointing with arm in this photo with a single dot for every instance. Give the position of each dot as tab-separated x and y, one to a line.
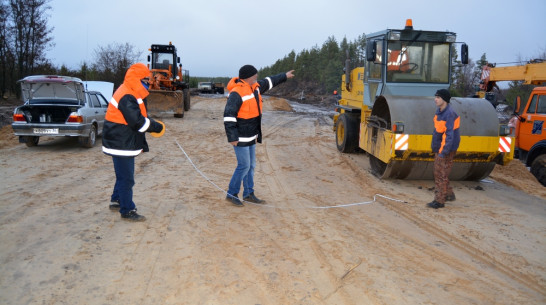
242	122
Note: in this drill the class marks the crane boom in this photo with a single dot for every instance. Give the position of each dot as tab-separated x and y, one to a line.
533	73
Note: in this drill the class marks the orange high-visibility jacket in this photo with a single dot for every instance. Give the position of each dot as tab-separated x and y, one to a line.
126	119
243	112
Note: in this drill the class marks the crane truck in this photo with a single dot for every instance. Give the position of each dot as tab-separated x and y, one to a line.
530	130
169	83
387	106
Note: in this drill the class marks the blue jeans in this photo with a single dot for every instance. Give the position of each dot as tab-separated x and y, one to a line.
125	179
246	162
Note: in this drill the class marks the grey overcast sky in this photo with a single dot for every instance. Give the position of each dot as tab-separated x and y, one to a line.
215	38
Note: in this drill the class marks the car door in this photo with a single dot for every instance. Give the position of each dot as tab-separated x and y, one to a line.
102	111
533	129
87	111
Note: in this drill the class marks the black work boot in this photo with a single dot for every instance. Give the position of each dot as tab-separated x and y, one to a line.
133	216
234	200
114	205
435	204
450	197
252	198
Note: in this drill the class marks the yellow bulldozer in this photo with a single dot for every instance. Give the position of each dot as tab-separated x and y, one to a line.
387	106
169	83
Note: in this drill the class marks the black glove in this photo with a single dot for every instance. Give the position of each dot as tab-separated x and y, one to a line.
155	127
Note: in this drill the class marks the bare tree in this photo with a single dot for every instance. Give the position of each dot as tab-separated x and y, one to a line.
25	37
32	35
6	50
113	60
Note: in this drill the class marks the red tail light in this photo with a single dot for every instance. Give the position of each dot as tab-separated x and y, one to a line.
18	117
75	118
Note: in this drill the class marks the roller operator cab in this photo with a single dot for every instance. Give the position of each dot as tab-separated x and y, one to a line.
387	109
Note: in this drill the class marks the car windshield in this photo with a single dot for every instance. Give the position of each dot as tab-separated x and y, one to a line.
417	62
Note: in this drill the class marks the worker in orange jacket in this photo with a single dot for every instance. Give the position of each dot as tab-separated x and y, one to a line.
124	138
242	122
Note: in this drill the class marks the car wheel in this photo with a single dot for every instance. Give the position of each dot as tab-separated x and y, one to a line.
32	141
90	140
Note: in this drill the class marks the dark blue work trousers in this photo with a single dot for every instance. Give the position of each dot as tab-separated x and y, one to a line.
125	179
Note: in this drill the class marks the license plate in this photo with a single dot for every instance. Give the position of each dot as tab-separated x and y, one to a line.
46	130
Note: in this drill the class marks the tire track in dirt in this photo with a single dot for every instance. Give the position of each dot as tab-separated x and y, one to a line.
420	253
144	254
479	255
198	249
474	253
314	157
293	212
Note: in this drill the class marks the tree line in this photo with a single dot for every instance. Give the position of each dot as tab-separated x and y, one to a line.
322	67
25	36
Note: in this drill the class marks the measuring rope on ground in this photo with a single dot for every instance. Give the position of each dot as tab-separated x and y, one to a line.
276	207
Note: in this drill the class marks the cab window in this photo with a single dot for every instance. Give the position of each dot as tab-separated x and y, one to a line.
541	107
376	65
102	101
533	106
95	101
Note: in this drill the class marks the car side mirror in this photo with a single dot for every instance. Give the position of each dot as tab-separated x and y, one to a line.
464	54
517	104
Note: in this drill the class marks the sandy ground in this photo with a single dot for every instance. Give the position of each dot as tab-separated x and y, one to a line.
60	244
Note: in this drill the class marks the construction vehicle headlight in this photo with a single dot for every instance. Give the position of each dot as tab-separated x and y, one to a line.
450	38
398	127
394	36
504	130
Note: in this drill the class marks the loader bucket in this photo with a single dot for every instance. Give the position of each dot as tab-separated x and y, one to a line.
412	157
161	103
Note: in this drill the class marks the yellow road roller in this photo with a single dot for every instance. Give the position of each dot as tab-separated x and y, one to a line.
387	109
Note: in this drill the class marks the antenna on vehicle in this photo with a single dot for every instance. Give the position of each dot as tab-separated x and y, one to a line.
86	54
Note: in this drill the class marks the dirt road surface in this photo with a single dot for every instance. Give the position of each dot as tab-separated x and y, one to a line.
60	244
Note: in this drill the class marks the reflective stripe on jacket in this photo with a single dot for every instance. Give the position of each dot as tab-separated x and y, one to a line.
446	137
243	112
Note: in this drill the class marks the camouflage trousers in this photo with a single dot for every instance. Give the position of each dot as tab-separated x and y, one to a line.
442	168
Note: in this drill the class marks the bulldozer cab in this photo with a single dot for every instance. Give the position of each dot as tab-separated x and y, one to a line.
164	57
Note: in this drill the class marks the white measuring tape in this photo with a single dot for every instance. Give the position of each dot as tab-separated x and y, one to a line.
276	207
